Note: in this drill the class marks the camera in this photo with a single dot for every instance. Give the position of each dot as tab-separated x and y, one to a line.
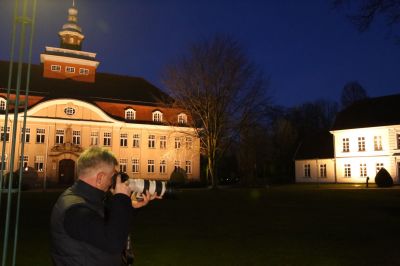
140	186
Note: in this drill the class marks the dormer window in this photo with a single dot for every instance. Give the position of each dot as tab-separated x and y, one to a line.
130	114
182	118
56	68
3	104
157	116
83	71
70	69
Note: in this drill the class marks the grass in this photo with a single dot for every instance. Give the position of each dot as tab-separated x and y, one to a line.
284	225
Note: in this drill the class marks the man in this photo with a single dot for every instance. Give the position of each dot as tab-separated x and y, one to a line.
84	231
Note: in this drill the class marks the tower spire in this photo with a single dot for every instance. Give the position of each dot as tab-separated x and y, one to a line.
71	36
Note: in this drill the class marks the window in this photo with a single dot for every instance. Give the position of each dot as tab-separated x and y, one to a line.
163	142
347	170
182	119
322	170
5	136
307	170
123	141
363	170
69	111
39	163
135	165
27	135
163	167
152	141
70	69
177	166
76	137
107	139
59	136
94	138
136	140
177	143
189	143
346	144
361	144
83	71
379	166
157	116
122	165
378	143
40	135
3	104
4	163
25	162
188	167
398	140
150	166
130	114
56	68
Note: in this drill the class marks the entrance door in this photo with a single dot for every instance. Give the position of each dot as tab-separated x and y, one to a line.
66	173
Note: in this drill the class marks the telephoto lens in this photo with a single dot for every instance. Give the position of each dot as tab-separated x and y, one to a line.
140	186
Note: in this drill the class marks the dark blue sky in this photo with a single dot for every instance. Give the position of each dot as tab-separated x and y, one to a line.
308	50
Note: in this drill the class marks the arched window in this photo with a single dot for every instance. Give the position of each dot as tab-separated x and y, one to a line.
130	114
157	116
3	104
182	118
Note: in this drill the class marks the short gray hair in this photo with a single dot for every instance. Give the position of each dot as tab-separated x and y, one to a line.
94	156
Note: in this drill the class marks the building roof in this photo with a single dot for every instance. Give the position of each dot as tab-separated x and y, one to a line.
318	146
370	112
108	87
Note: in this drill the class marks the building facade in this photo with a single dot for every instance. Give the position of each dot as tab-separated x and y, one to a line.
366	138
71	107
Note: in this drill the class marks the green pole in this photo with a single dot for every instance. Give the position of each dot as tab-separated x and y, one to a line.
23	132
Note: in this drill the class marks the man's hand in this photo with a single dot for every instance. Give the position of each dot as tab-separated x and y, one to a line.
122	188
145	199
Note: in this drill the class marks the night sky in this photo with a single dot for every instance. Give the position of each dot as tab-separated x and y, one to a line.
307	49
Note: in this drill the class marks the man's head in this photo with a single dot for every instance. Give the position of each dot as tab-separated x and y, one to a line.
96	167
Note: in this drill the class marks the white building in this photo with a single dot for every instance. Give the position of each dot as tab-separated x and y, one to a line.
366	137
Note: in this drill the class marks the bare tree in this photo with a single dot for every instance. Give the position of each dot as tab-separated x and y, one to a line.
220	89
352	92
364	12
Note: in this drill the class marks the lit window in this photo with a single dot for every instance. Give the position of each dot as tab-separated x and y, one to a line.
25	162
59	136
94	138
361	144
3	104
347	170
122	165
69	111
40	135
363	170
182	118
39	163
307	170
130	114
188	167
157	116
83	71
70	69
150	166
152	141
346	144
76	137
378	143
107	139
163	167
163	142
56	68
135	165
136	140
123	142
322	170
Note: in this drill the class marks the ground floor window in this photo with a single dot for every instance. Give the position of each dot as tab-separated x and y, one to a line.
322	170
39	163
347	170
307	170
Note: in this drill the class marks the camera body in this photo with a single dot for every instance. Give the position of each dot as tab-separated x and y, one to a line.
140	186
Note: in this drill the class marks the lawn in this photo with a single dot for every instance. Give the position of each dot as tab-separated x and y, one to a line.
283	225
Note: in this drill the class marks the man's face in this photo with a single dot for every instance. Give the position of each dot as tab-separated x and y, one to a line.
106	180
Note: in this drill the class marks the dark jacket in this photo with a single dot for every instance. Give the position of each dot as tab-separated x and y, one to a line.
83	232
